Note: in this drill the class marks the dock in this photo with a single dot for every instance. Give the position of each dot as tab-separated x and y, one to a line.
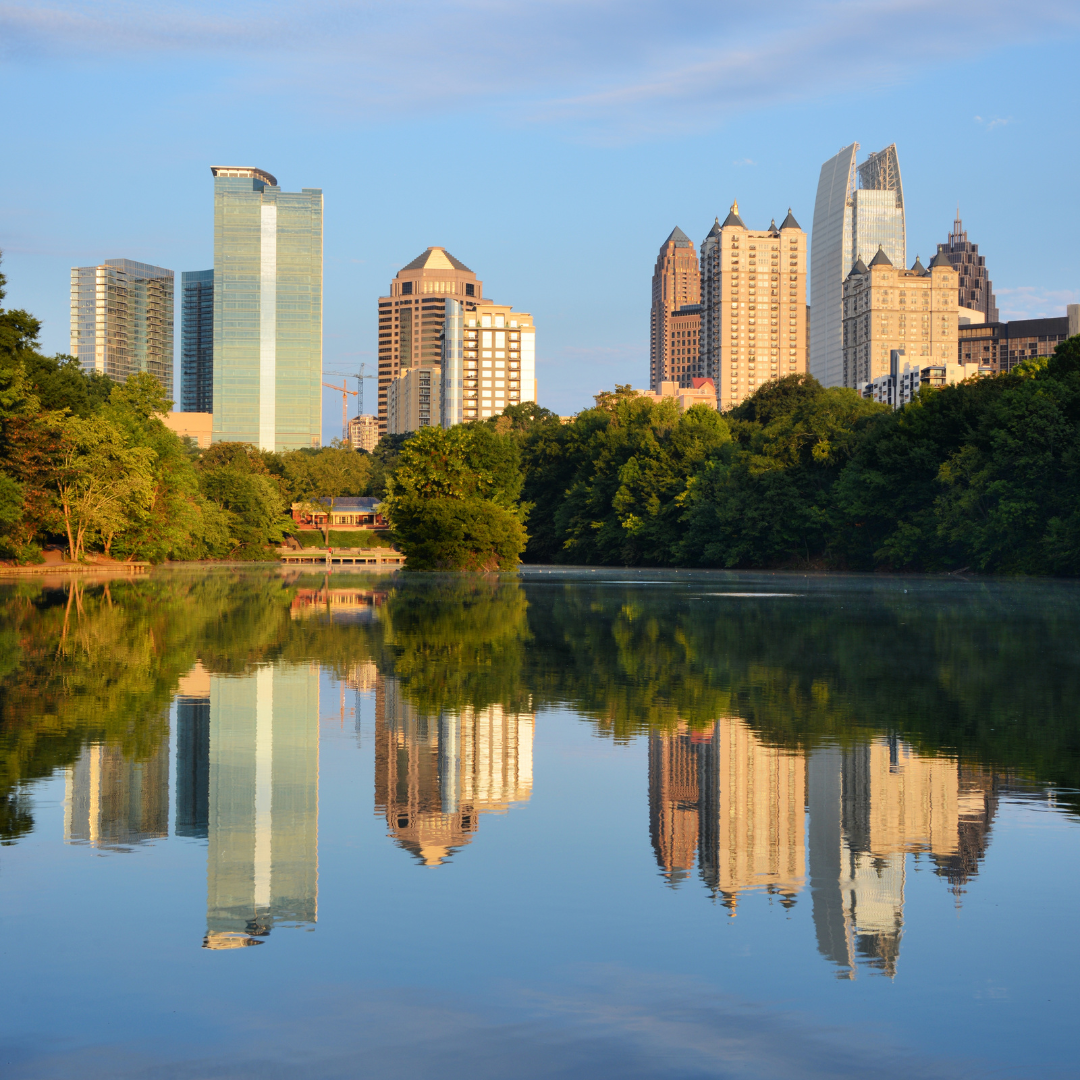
372	557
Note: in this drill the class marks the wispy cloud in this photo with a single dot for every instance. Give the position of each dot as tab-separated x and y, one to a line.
1032	302
997	121
614	68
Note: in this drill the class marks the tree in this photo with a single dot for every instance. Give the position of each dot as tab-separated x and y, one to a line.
454	500
319	478
250	503
99	479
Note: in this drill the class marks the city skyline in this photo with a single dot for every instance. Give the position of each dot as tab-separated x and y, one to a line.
581	165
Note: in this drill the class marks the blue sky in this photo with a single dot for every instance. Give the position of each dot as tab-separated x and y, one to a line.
550	146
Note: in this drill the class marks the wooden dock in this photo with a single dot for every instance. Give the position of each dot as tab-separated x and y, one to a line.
370	557
124	569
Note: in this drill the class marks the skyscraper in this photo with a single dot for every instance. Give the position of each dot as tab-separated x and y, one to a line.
197	341
857	210
122	320
262	859
676	284
976	288
753	306
267	311
488	360
411	318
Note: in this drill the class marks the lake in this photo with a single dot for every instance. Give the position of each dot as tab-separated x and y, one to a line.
259	823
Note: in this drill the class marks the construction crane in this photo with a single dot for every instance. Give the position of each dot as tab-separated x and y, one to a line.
344	391
359	376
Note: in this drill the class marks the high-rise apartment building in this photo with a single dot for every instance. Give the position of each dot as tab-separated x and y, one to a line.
754	311
411	318
262	858
674	352
858	209
489	360
886	308
197	341
122	320
412	399
976	288
364	432
268	299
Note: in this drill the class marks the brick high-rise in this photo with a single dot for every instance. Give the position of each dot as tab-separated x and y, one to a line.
674	323
976	288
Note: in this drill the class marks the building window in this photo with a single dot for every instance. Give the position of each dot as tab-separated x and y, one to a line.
470	289
406	288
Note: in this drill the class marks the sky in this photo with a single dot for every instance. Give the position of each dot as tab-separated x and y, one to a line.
550	146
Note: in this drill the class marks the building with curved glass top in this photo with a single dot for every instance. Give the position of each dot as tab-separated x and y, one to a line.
267	311
858	209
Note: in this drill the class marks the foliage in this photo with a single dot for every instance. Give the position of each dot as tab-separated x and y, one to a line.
454	500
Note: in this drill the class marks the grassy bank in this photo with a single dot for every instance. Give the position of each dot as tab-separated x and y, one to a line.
352	538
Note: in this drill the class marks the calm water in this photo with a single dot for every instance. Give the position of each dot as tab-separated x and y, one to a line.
599	824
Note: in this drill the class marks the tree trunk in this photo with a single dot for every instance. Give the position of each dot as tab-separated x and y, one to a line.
67	525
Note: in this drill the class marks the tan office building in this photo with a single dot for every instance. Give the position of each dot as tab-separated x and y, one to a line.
887	307
412	317
412	399
675	318
753	305
364	433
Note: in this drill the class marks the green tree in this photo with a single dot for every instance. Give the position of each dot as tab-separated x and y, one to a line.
454	500
100	478
250	502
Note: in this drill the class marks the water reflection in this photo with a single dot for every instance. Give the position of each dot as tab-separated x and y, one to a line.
113	800
263	804
436	774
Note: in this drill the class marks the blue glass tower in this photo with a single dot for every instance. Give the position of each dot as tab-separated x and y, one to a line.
197	341
267	311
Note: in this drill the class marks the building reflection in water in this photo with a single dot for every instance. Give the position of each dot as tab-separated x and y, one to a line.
436	774
115	801
192	808
262	800
736	806
732	801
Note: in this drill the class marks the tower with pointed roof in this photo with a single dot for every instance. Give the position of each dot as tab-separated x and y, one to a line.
412	317
753	305
976	289
674	321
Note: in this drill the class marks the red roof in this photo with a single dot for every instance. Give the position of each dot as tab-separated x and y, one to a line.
699	383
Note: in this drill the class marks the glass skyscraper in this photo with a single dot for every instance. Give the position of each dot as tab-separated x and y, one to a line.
858	209
122	320
197	341
267	311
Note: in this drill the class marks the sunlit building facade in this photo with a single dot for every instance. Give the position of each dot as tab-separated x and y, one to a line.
753	305
197	341
674	351
412	399
488	361
412	316
122	320
268	304
858	209
887	308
